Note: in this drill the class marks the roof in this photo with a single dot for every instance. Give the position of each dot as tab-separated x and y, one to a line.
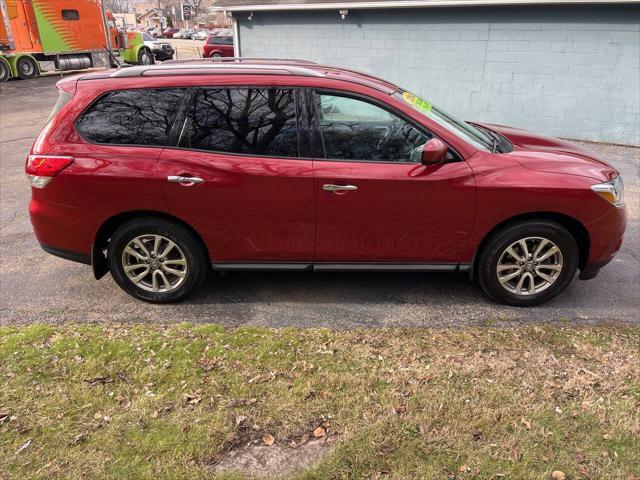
151	11
244	66
285	5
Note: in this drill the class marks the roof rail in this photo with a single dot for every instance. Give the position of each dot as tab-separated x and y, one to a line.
213	68
242	59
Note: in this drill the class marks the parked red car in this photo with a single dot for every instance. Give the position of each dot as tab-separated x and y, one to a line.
217	46
158	173
169	32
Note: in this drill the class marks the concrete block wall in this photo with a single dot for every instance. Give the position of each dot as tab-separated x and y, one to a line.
567	71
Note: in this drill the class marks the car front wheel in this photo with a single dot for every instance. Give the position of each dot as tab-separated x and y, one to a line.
527	263
156	260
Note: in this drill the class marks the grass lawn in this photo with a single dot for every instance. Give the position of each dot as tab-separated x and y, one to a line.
151	402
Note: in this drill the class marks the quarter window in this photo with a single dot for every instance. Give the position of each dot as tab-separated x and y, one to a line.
255	121
131	117
354	129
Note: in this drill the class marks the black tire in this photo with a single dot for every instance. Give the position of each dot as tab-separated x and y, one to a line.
145	57
500	241
216	55
5	71
188	245
27	68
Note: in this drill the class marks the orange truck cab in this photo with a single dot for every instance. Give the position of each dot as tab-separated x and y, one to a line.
38	35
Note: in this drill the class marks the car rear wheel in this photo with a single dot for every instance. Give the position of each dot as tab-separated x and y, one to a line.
156	260
527	263
216	55
27	68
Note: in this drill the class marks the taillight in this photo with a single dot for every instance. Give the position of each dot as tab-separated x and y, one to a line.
40	169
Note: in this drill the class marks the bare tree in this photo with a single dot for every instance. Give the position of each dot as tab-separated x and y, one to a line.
198	9
118	6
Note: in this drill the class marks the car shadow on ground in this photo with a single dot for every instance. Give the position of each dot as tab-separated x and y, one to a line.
358	288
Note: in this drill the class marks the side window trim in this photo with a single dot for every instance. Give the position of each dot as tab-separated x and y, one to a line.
320	153
181	119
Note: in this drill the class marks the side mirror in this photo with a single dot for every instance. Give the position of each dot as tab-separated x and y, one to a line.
434	151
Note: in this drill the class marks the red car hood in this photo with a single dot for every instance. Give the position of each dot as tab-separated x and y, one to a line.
548	154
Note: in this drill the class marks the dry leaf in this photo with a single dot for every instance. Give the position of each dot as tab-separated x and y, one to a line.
268	439
24	446
124	403
193	398
558	475
319	432
526	423
304	439
401	409
265	377
98	380
78	438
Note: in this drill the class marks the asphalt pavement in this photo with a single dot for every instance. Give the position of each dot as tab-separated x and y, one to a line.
37	287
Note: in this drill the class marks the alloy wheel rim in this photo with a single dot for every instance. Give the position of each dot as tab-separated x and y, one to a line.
529	266
154	263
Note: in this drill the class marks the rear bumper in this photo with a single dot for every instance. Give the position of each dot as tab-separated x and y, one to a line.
67	255
63	231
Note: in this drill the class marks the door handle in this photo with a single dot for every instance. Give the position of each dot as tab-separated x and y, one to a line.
339	188
181	179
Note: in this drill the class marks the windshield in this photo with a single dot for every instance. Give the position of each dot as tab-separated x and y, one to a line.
459	128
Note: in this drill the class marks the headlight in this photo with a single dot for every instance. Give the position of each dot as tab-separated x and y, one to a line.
612	191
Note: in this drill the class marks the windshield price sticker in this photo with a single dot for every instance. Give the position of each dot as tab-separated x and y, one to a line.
416	102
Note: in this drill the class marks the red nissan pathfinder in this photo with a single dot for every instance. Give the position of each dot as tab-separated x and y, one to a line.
158	174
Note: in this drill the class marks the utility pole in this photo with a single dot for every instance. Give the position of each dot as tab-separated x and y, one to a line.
160	16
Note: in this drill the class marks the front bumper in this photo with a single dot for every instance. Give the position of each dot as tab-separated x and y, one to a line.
605	240
164	53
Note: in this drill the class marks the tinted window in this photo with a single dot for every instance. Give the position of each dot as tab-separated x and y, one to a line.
215	41
131	117
70	15
228	40
248	120
353	129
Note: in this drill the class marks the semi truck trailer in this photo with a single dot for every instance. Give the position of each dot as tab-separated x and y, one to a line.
41	35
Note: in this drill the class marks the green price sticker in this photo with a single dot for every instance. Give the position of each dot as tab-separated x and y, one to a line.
416	102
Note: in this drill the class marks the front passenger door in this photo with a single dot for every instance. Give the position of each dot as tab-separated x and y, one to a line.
376	202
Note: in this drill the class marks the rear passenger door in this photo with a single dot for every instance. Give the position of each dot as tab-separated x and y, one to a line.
236	175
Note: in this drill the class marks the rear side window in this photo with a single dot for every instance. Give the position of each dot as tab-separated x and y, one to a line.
215	41
131	117
254	121
228	40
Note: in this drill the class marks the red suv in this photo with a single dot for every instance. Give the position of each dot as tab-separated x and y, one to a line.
159	173
217	46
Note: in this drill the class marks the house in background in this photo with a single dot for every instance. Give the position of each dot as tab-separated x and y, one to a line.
567	68
150	18
125	20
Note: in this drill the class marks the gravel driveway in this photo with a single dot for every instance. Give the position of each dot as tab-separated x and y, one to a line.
37	287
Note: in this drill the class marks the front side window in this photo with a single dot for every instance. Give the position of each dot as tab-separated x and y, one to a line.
131	117
228	40
70	15
215	41
254	121
146	37
354	129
